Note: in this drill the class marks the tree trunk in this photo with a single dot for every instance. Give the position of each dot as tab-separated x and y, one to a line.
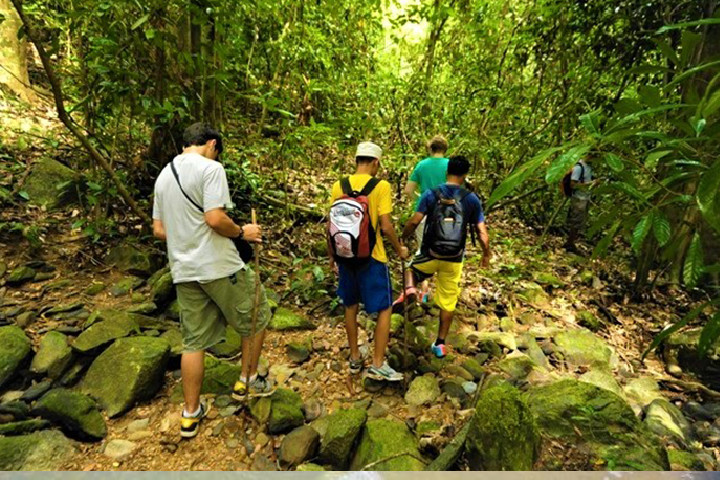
210	88
13	54
196	10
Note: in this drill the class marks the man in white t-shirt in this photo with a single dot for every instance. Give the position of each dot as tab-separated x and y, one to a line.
214	286
581	179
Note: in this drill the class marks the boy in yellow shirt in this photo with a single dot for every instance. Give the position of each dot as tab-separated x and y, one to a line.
368	282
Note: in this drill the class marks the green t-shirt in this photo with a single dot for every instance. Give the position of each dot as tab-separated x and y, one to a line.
428	174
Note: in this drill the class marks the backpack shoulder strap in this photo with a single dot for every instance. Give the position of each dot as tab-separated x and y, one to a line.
345	185
177	179
582	172
369	186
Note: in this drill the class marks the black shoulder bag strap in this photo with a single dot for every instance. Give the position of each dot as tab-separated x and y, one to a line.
461	195
369	187
177	179
346	187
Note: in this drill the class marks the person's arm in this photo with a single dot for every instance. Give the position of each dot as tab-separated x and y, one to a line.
159	230
223	225
484	243
389	231
412	224
410	188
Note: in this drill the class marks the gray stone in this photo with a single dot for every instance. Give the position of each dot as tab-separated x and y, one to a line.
666	420
14	351
26	319
517	365
144	308
114	324
129	371
53	356
139	425
583	348
423	390
298	446
474	368
602	379
36	391
132	260
45	450
77	414
298	352
23	426
125	286
119	449
641	392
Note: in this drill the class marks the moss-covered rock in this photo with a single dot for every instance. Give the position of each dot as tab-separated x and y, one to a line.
162	289
174	338
126	285
602	379
285	411
46	450
299	352
130	370
132	260
338	433
588	320
95	288
665	419
113	324
21	275
423	390
14	351
503	434
77	414
576	412
641	392
53	356
309	467
231	346
298	446
382	439
285	319
23	426
581	347
517	365
220	377
474	368
681	460
260	409
41	185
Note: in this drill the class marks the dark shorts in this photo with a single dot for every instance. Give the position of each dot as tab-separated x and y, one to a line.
369	285
577	215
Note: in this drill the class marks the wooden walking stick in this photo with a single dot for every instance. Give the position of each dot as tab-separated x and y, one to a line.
406	317
256	305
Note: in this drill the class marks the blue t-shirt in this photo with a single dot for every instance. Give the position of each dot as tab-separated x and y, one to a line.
472	206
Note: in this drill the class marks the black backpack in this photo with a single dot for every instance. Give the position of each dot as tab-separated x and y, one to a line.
566	184
446	226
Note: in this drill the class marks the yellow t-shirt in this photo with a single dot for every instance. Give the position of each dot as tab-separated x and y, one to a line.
379	203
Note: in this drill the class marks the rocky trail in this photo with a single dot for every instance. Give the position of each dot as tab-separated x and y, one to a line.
546	345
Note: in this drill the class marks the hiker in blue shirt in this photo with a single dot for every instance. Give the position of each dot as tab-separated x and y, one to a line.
581	179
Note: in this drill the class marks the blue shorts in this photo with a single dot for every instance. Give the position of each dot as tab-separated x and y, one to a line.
369	285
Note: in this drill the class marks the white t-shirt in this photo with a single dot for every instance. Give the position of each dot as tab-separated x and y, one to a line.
195	251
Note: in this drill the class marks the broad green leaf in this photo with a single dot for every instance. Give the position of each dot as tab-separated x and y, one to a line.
24	194
684	25
591	122
689	42
708	195
637	115
689	73
564	163
667	51
521	174
693	268
709	335
661	229
690	316
629	190
712	105
641	231
654	157
650	95
140	21
614	162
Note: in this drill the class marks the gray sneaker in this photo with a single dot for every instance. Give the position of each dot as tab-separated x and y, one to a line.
384	373
261	387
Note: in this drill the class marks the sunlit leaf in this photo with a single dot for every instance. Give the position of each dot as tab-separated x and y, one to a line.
693	268
661	229
564	163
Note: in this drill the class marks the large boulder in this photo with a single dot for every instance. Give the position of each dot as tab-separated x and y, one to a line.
14	350
581	347
46	175
423	390
298	446
130	370
162	289
503	434
665	419
130	259
285	411
684	346
338	433
387	445
231	346
77	414
581	413
108	325
285	319
53	356
46	450
220	377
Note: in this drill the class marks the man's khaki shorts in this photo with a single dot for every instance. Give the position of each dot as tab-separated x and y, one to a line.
207	308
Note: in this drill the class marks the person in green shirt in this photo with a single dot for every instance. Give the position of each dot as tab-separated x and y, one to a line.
429	173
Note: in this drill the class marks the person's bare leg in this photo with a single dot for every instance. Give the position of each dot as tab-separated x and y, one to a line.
352	330
445	322
192	367
250	368
382	336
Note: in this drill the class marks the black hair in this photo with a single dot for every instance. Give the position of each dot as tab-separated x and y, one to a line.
458	166
199	134
364	159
